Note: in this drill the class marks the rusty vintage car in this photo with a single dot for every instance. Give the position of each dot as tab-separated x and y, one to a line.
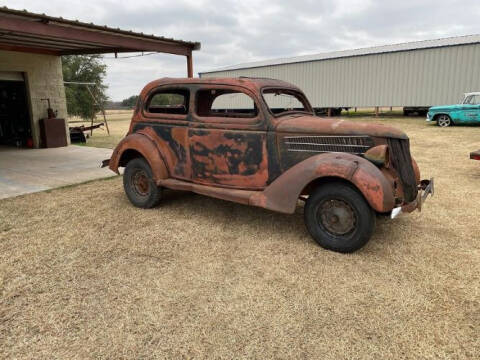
256	141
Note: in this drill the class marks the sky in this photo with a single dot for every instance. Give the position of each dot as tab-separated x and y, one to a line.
233	32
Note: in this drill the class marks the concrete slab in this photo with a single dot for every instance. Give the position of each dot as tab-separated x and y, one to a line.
24	171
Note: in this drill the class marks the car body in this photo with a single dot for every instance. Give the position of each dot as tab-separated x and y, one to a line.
257	142
466	113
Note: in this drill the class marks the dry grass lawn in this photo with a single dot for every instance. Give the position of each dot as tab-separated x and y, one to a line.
83	274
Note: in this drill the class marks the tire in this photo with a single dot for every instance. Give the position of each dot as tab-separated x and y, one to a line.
139	185
444	120
339	218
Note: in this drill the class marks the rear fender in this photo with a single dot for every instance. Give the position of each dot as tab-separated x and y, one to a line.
282	195
142	144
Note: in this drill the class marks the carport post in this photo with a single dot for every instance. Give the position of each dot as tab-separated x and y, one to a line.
189	65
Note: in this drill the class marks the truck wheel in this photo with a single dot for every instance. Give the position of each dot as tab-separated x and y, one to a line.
338	217
444	121
139	185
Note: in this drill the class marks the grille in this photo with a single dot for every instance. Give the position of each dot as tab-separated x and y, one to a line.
347	144
401	161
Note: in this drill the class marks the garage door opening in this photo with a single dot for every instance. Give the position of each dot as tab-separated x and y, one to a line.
15	125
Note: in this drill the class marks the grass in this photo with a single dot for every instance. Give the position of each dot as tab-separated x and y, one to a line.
83	274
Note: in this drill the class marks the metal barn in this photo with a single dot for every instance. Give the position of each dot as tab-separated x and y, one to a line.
415	74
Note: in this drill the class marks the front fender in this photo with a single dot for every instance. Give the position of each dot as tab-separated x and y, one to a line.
143	145
283	193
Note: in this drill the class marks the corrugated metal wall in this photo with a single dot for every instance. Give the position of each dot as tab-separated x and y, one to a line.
423	77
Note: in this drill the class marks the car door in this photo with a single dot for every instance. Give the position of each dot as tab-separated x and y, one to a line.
165	117
475	111
227	139
470	112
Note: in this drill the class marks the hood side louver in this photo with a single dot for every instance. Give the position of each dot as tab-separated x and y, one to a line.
320	144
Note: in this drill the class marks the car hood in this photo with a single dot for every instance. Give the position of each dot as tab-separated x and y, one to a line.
328	126
445	107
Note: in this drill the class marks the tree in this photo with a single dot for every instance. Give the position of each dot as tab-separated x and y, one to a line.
84	68
130	102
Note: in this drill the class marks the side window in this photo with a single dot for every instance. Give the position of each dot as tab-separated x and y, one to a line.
225	103
280	101
472	100
168	101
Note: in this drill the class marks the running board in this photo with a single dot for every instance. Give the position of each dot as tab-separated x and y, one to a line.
245	197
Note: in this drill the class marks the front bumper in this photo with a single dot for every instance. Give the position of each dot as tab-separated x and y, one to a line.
425	188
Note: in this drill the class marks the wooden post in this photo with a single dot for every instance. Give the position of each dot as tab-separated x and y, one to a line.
376	111
105	119
189	65
95	102
329	112
355	109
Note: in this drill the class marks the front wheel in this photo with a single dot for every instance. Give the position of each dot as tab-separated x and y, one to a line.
139	184
339	218
444	121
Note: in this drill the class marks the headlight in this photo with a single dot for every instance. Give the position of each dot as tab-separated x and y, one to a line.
378	155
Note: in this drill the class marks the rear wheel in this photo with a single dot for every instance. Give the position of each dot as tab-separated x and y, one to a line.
444	121
338	217
139	184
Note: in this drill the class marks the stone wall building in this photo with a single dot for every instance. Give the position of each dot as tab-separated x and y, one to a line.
41	75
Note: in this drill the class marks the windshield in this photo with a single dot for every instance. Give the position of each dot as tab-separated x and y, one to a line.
282	101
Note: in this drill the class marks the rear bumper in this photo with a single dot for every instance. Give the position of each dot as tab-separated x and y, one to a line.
425	189
475	155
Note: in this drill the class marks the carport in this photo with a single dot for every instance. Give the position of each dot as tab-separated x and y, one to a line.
31	46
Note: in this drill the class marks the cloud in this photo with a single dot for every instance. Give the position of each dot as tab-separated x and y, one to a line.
233	32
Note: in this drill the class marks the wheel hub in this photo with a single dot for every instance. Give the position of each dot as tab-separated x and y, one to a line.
141	183
337	217
443	121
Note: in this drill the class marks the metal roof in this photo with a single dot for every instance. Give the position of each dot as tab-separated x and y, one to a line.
416	45
249	82
21	30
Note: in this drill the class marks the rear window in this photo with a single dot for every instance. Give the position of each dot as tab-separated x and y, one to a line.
169	102
225	103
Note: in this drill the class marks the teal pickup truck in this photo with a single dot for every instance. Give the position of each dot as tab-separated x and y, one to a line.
468	112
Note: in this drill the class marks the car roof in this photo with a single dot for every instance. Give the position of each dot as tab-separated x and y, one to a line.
253	83
472	93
